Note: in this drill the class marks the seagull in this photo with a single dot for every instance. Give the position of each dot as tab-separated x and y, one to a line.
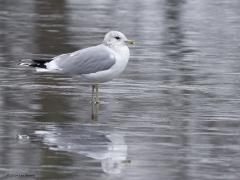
96	64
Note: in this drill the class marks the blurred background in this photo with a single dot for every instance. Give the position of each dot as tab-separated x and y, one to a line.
173	113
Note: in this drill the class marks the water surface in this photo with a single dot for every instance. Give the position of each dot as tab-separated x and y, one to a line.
173	114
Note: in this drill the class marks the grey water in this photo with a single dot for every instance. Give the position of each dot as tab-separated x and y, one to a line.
173	114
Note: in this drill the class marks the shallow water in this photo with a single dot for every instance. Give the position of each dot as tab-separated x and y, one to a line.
173	114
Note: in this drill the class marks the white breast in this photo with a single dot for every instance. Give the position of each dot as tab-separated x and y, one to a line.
122	57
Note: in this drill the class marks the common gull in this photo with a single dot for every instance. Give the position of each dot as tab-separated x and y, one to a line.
96	64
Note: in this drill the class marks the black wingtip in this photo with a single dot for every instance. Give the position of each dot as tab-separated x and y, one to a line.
40	62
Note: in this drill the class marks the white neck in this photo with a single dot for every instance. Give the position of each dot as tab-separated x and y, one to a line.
122	50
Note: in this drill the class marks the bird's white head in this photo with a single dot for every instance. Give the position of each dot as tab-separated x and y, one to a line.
116	38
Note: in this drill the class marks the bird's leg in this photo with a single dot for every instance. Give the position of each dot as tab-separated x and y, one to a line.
97	97
93	92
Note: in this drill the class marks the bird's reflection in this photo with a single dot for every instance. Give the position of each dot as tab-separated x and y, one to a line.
95	109
110	149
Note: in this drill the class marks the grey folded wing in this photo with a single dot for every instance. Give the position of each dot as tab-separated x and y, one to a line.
86	61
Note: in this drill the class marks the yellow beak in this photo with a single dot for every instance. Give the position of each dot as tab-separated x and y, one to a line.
130	41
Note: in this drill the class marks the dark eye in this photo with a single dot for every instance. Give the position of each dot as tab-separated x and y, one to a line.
117	37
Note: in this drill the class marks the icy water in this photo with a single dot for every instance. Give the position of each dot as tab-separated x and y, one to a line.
172	115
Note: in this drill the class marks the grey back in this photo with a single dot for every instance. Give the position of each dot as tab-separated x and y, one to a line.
85	61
